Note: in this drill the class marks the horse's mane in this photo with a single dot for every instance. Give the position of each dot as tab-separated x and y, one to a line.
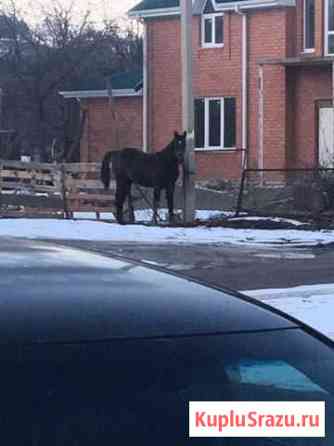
167	150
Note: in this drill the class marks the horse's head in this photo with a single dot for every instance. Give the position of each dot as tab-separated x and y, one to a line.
179	146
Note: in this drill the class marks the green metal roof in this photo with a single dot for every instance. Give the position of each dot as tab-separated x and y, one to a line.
155	4
119	81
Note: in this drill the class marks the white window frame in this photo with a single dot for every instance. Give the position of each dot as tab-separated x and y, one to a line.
212	44
306	50
327	32
207	124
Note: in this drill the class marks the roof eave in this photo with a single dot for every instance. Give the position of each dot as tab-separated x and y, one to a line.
87	94
299	61
159	12
253	4
230	6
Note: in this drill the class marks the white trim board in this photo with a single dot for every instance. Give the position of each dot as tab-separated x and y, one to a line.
86	94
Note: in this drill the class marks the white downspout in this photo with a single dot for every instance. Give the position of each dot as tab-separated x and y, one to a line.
244	90
260	154
244	79
145	90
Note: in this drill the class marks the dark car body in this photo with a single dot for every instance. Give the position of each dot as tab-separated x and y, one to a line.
101	351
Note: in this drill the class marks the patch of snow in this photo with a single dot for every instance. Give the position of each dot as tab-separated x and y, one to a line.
313	305
92	216
214	191
151	262
208	215
29	192
269	219
179	267
306	290
171	266
286	255
100	231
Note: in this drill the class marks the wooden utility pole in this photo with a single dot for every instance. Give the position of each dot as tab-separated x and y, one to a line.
188	110
332	148
115	139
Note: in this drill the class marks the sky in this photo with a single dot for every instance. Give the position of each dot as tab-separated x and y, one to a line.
114	7
101	9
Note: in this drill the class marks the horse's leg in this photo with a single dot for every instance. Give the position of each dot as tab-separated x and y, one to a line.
170	202
121	193
131	208
156	204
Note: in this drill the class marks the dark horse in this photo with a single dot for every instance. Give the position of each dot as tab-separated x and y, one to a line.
158	170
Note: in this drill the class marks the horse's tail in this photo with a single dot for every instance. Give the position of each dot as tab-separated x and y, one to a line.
105	170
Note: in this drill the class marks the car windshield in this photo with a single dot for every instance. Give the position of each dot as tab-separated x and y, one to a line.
137	391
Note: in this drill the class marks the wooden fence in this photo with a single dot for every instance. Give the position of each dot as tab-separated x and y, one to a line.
60	189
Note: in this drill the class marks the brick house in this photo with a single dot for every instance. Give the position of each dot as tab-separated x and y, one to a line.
262	83
113	110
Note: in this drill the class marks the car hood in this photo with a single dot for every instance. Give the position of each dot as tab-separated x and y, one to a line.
54	294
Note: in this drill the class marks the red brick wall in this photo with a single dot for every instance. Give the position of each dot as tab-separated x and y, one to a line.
217	72
218	165
268	37
164	79
310	84
319	27
100	133
299	33
275	119
291	38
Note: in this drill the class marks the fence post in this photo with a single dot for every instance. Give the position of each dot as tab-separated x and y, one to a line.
64	190
241	192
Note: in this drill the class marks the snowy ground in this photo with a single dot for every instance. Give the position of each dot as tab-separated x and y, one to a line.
146	215
313	304
99	231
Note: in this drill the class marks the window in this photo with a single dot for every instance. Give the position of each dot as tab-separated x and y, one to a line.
309	25
113	393
212	30
215	123
329	43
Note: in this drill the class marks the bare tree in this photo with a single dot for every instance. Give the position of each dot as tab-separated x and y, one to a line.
60	52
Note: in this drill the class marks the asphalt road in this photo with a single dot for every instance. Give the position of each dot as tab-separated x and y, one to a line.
237	267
